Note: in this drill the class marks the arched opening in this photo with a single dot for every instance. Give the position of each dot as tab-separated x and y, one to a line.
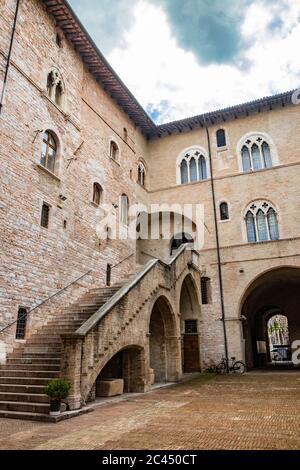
124	373
97	194
190	316
181	239
272	296
163	344
114	151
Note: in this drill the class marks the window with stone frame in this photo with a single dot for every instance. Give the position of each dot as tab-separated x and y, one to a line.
224	211
221	138
114	151
256	154
193	167
49	151
261	221
97	194
141	174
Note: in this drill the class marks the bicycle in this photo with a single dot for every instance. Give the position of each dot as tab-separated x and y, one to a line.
237	367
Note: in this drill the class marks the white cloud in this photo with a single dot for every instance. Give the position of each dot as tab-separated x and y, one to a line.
163	75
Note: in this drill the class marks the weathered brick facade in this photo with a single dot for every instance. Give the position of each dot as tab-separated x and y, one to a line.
37	262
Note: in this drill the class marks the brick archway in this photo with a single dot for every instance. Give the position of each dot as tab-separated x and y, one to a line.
164	347
275	291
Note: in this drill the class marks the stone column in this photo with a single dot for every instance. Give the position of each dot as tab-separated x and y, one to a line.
71	368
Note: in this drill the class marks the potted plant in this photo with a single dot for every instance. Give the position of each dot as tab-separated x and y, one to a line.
57	390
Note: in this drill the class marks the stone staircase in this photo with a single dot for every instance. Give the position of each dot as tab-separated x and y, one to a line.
31	366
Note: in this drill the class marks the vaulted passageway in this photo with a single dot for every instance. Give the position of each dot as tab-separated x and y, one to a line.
275	293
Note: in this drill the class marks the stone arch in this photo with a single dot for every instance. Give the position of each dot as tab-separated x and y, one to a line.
275	290
190	315
128	364
164	347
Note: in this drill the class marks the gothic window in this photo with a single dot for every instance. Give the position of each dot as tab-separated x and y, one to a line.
55	87
224	211
49	151
192	167
114	151
256	154
184	172
124	209
261	222
141	174
221	138
97	194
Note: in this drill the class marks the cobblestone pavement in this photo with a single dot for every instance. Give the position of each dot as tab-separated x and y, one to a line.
255	411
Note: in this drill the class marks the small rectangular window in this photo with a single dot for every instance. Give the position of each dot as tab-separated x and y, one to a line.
45	215
108	274
205	291
21	323
191	327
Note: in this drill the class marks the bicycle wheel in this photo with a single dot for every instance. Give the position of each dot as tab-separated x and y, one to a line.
221	368
239	367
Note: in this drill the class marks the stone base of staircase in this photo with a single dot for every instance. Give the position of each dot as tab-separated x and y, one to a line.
44	417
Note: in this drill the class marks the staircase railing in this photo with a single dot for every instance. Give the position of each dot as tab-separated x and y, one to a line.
56	294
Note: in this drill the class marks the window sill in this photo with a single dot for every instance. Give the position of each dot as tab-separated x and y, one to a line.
224	221
48	172
97	206
222	149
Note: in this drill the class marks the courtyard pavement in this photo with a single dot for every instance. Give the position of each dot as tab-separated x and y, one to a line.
254	411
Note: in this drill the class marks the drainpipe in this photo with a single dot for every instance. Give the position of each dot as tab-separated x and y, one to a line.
220	274
9	55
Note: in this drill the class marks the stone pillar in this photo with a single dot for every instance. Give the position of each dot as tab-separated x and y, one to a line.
71	368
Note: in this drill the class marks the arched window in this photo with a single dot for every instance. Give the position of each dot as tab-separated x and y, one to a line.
124	209
224	211
49	151
114	151
202	168
97	194
261	222
192	167
141	174
184	172
221	138
55	87
256	154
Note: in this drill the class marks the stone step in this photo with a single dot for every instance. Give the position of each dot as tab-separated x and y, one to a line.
38	349
24	407
28	366
23	416
29	373
33	360
15	388
36	355
40	381
24	397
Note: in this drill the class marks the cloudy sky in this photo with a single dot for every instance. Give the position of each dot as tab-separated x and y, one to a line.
185	57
